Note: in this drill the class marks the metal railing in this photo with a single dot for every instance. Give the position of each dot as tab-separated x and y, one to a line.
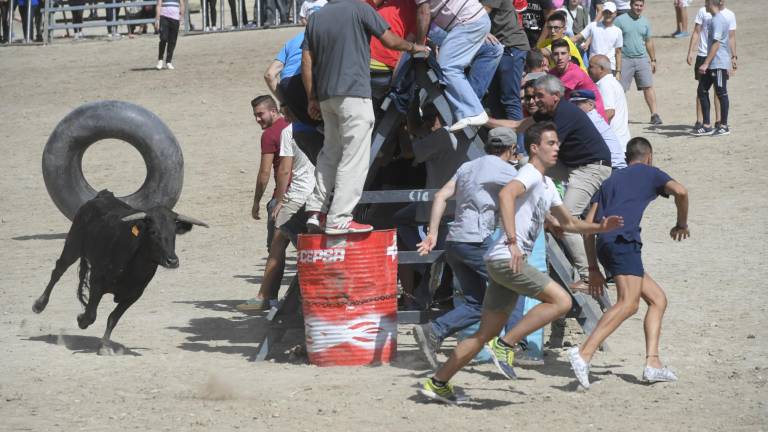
56	15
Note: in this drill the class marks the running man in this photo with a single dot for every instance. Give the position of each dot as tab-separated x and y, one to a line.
627	193
523	204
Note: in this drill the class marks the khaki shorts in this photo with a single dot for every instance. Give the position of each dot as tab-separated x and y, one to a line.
505	286
287	211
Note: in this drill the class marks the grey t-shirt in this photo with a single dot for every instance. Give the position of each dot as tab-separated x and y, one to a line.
504	24
718	32
339	37
478	183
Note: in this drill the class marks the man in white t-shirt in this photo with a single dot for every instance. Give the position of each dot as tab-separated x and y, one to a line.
295	181
607	39
700	45
308	8
523	203
614	98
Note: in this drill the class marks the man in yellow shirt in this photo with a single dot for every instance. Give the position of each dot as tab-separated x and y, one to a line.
554	30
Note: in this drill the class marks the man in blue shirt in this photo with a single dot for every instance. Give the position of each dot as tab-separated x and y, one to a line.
627	193
715	68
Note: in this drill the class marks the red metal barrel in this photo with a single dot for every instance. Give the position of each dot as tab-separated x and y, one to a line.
349	296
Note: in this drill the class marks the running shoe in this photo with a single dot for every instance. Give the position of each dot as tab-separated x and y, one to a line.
348	227
169	66
679	34
159	65
722	130
653	375
579	366
444	394
656	119
503	358
316	222
701	130
428	342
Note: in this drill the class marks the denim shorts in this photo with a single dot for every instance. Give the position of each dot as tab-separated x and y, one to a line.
621	257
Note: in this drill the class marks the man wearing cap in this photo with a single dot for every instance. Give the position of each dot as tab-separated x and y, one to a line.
614	99
572	76
476	187
607	39
585	100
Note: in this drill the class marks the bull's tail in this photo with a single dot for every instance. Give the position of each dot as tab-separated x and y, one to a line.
84	288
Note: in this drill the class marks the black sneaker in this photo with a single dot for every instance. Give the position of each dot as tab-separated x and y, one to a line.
655	119
702	131
722	130
428	343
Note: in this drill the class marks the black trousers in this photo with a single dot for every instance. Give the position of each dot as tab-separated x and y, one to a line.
718	78
210	18
37	20
5	31
233	11
113	14
169	31
272	8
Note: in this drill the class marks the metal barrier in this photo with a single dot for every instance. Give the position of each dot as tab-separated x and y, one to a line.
48	22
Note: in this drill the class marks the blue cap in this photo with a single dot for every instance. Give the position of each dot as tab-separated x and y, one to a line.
582	95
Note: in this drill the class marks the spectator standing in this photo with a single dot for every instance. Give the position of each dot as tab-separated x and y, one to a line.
168	18
273	12
466	25
638	55
113	14
555	31
534	18
272	124
714	69
233	13
210	14
294	181
700	38
627	193
571	76
585	100
308	7
681	17
35	19
336	73
5	30
606	39
576	17
77	18
505	87
401	17
614	99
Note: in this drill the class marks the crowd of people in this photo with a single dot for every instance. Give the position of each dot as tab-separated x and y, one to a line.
549	85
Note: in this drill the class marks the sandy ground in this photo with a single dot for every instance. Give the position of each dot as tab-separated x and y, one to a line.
188	362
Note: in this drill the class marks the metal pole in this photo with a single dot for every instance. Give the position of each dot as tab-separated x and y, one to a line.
258	13
46	18
205	15
239	13
221	14
29	21
9	16
295	12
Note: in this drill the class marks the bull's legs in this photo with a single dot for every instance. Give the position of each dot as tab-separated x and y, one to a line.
114	317
68	257
89	315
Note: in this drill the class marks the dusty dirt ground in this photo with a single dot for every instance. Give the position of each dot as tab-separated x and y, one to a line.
188	360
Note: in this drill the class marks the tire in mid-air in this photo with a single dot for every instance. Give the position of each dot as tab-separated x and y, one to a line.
96	121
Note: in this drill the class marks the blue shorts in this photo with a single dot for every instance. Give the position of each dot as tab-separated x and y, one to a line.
621	257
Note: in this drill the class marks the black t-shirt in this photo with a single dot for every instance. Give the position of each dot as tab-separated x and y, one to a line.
580	141
339	36
533	19
504	24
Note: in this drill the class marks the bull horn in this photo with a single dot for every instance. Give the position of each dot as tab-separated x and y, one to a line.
193	221
134	217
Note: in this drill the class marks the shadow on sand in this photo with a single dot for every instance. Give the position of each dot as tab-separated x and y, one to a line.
83	344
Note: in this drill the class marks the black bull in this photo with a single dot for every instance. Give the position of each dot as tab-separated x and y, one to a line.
119	249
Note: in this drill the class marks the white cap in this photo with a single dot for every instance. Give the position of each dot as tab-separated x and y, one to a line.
609	6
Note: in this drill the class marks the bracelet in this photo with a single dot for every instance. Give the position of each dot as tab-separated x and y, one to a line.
653	60
735	57
413	45
510	241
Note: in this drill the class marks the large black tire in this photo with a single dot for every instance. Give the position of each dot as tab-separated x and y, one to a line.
95	121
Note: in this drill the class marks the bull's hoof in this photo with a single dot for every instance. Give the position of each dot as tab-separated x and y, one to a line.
83	321
40	305
106	350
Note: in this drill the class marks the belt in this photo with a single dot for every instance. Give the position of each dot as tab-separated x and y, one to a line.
600	162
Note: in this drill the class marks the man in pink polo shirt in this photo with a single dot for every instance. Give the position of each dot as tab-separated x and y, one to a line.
571	75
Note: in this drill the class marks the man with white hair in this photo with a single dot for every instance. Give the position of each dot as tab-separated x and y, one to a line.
614	99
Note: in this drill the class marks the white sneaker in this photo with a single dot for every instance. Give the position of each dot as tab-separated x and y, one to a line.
579	366
159	65
659	375
477	120
169	66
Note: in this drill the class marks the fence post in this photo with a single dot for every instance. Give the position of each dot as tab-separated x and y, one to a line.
46	19
221	14
295	12
9	17
205	16
258	13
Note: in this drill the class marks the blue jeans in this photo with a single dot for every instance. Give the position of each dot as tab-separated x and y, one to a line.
483	67
457	49
505	88
466	261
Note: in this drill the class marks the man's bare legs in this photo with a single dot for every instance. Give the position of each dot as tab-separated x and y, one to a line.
650	99
629	291
273	271
657	303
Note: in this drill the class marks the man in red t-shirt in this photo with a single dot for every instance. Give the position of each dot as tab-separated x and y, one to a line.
272	123
401	17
